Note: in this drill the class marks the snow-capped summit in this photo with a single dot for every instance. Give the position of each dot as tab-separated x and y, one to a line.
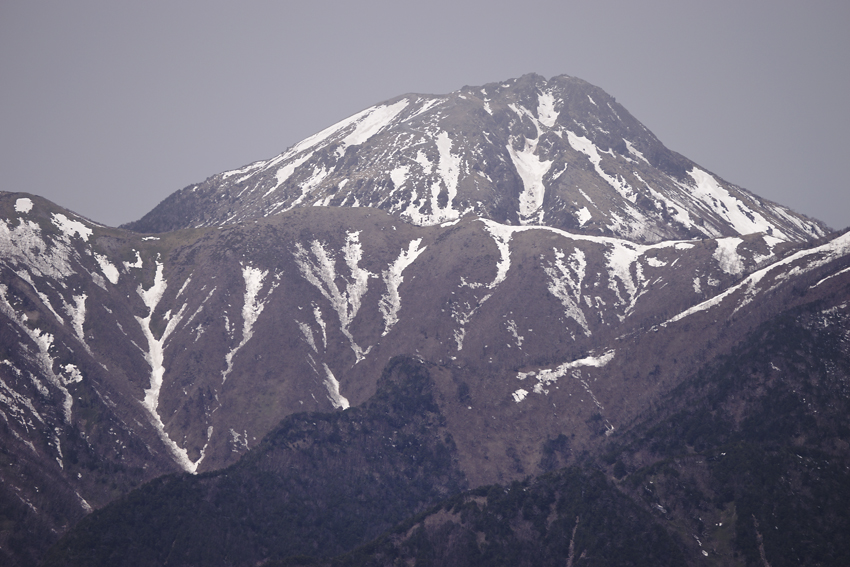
559	153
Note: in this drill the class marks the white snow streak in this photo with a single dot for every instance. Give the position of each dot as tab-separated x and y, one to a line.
635	152
286	172
317	313
548	376
320	270
531	170
588	148
844	271
390	303
308	335
338	400
77	313
155	357
251	309
366	124
309	185
565	281
449	170
373	122
502	236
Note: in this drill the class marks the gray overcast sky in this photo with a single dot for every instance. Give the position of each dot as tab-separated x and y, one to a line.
108	107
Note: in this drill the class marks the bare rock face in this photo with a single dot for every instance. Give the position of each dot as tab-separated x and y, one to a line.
559	270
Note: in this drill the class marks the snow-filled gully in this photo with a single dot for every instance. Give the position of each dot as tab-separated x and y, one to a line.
462	312
252	307
155	357
318	266
390	303
320	270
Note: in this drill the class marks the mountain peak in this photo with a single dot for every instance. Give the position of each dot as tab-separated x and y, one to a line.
528	151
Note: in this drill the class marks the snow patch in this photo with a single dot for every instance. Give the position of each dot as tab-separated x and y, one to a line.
372	122
73	374
727	255
512	329
286	172
23	205
546	109
519	395
77	313
43	341
449	169
717	199
399	175
70	227
137	264
635	152
110	271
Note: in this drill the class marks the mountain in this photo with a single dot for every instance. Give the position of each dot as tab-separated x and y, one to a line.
559	153
584	319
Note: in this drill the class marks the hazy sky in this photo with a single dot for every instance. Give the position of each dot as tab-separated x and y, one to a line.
108	107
